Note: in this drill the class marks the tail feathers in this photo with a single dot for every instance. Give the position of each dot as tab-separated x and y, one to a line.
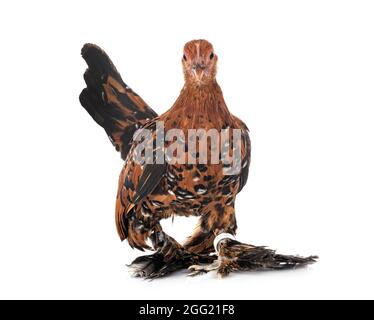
98	62
110	102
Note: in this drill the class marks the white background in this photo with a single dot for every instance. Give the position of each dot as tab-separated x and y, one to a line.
299	73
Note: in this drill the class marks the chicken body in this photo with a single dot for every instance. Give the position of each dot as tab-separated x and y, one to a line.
184	189
150	192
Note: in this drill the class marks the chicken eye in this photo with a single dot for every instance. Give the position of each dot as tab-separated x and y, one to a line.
211	56
184	57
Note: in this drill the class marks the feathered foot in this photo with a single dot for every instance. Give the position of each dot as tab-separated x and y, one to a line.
236	256
157	265
144	266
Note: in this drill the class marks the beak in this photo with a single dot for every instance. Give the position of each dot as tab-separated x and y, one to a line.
198	70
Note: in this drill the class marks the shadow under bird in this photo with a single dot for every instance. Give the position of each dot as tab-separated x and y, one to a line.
150	192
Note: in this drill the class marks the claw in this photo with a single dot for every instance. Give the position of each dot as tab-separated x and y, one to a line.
197	273
197	269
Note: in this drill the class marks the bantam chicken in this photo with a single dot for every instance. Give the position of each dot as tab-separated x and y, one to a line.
197	186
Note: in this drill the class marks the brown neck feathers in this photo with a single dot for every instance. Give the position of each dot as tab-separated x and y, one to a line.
199	107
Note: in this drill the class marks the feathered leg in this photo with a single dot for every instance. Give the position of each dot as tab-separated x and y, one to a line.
231	254
212	222
236	256
170	256
201	241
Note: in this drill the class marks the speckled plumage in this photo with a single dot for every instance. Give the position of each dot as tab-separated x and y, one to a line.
151	192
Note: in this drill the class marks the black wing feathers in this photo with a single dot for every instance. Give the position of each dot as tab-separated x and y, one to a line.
149	180
246	159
